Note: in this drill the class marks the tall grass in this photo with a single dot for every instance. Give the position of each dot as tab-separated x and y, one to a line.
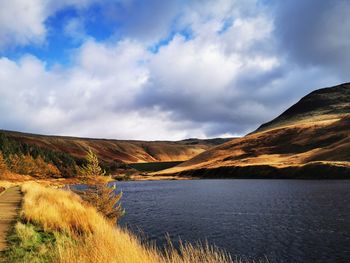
93	239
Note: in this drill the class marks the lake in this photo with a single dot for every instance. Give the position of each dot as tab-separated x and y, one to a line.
285	220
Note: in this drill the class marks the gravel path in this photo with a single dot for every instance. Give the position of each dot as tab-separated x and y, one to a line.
10	201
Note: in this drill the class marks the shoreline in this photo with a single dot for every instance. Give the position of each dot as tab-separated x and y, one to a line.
57	183
58	226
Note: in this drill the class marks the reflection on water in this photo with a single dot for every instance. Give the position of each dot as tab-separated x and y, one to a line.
285	220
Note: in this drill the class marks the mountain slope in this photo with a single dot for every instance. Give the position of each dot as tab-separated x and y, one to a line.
310	139
319	104
125	151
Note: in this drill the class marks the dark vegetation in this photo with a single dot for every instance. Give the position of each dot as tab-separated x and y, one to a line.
23	158
39	161
309	171
213	141
153	167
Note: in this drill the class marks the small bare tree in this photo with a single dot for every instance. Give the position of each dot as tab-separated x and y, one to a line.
92	168
104	198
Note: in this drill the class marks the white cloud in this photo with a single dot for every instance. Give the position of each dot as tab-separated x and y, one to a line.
193	67
225	79
23	21
247	33
199	79
93	98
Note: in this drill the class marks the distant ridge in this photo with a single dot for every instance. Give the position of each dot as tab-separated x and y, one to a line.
122	151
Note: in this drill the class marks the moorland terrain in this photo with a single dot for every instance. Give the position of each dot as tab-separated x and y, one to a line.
311	139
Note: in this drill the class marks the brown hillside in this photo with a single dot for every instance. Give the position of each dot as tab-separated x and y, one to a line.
310	139
119	150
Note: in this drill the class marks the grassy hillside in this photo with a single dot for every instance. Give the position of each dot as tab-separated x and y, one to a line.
65	154
311	139
127	151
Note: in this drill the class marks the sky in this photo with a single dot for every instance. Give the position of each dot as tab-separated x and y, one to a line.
164	70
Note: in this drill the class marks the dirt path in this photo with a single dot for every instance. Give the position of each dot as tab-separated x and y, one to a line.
10	201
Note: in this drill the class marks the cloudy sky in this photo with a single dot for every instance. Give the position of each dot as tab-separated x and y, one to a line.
137	69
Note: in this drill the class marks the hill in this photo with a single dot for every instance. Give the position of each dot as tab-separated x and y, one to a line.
311	139
66	151
127	151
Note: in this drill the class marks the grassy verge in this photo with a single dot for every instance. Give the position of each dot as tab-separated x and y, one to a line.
17	179
56	226
30	243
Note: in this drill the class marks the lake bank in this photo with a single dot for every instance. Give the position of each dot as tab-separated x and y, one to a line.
314	170
56	226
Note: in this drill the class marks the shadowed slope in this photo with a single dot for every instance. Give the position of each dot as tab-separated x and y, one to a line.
310	139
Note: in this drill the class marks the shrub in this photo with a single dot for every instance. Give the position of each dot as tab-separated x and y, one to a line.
105	200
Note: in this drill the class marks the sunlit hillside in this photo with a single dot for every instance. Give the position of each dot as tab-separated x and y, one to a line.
310	139
58	156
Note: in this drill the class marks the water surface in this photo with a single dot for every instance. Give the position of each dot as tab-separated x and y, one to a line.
285	220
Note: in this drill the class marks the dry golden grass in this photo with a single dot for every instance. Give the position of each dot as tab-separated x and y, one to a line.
14	177
9	179
93	238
